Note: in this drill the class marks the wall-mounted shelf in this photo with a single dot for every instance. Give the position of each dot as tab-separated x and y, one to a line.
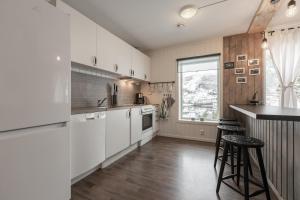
161	83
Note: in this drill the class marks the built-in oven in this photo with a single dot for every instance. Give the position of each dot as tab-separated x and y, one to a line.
147	112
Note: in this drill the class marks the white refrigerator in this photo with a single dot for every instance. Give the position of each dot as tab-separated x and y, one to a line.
34	101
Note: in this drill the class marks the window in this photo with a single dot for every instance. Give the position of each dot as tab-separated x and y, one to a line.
198	80
273	88
272	84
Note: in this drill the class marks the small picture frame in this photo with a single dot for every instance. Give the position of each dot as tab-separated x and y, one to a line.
241	57
229	65
241	80
254	72
239	71
253	62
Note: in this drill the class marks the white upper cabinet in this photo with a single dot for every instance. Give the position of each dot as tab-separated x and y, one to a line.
100	49
83	36
116	55
140	65
92	45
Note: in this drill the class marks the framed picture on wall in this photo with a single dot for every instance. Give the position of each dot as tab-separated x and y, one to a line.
229	65
241	80
241	57
253	62
239	71
254	71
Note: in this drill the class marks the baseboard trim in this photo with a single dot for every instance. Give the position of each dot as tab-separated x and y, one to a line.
187	137
82	176
118	156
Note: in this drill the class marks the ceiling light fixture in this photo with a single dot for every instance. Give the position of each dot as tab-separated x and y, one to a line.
189	11
292	9
264	43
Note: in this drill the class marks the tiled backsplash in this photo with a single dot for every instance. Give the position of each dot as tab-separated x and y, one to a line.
87	89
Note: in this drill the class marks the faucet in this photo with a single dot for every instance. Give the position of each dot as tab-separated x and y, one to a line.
100	102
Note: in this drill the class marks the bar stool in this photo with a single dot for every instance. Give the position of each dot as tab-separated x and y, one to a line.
222	130
244	143
230	123
226	119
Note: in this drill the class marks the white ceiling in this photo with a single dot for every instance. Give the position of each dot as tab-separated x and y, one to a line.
281	19
151	24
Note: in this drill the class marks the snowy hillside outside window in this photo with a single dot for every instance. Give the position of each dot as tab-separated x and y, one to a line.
273	88
272	84
198	80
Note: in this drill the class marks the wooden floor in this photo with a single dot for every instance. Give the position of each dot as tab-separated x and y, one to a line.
164	169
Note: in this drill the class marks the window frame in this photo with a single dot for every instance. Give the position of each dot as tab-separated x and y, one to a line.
180	97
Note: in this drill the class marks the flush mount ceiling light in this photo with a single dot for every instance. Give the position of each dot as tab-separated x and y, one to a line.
188	11
292	9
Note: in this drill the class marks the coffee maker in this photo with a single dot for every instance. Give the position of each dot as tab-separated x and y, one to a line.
139	98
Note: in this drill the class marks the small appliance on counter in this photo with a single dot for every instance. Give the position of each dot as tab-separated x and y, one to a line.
139	98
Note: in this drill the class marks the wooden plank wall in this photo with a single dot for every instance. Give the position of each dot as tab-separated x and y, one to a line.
280	153
233	93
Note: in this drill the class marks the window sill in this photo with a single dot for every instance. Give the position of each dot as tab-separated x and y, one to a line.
209	123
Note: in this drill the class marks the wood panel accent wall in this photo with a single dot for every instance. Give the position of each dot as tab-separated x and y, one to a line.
282	163
233	93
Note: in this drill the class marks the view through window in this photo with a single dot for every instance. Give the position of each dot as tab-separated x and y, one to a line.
272	84
198	80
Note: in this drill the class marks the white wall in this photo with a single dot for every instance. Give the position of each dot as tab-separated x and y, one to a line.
164	68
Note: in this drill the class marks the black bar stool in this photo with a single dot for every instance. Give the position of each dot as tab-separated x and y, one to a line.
243	143
230	123
226	119
224	130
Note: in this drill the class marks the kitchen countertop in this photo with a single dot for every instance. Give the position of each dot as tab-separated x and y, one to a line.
76	111
268	112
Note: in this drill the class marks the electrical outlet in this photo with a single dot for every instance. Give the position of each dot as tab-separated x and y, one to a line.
202	132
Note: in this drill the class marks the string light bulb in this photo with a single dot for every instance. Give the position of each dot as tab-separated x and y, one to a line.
291	9
264	43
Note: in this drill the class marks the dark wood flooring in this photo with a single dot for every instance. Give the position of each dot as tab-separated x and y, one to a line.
164	169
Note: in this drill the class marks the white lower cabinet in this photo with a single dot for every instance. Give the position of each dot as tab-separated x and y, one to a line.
136	125
117	131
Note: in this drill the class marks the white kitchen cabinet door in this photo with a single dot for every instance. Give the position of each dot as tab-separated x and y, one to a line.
35	164
136	125
100	48
117	131
147	64
140	65
83	36
116	54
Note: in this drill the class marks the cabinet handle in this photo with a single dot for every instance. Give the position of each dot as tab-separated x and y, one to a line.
145	76
116	68
133	72
128	114
94	60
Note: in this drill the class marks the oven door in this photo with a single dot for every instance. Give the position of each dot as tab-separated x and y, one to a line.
147	121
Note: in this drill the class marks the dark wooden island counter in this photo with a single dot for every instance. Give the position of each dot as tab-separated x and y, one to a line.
279	128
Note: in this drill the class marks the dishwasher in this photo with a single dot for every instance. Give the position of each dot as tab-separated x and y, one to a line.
87	142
